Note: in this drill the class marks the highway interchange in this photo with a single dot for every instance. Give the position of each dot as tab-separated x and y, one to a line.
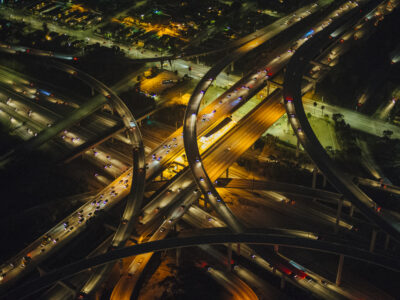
177	198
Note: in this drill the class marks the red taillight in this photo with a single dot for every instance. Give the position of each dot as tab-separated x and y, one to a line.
284	270
75	59
301	274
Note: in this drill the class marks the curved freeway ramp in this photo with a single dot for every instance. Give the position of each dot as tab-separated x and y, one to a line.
284	22
280	187
31	287
296	114
190	131
135	195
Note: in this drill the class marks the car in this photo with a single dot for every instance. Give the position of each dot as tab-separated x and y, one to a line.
25	261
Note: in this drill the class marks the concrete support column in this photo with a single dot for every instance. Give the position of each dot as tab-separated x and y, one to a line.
232	67
283	282
197	60
373	240
314	85
351	210
324	181
121	267
178	256
298	147
127	135
229	256
314	178
339	210
339	271
387	241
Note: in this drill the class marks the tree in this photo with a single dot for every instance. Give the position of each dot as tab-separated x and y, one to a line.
45	28
337	117
387	133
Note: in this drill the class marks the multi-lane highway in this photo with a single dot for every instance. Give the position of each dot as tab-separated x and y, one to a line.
298	119
28	288
181	191
190	120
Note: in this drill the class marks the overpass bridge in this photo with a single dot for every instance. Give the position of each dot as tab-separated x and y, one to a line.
29	288
306	136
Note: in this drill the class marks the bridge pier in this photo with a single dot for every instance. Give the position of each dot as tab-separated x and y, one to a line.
351	213
229	257
178	256
314	178
283	281
339	210
373	240
339	271
387	241
298	146
232	67
121	266
197	60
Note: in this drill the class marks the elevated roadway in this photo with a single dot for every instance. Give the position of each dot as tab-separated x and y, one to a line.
136	189
190	126
281	187
27	289
305	134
